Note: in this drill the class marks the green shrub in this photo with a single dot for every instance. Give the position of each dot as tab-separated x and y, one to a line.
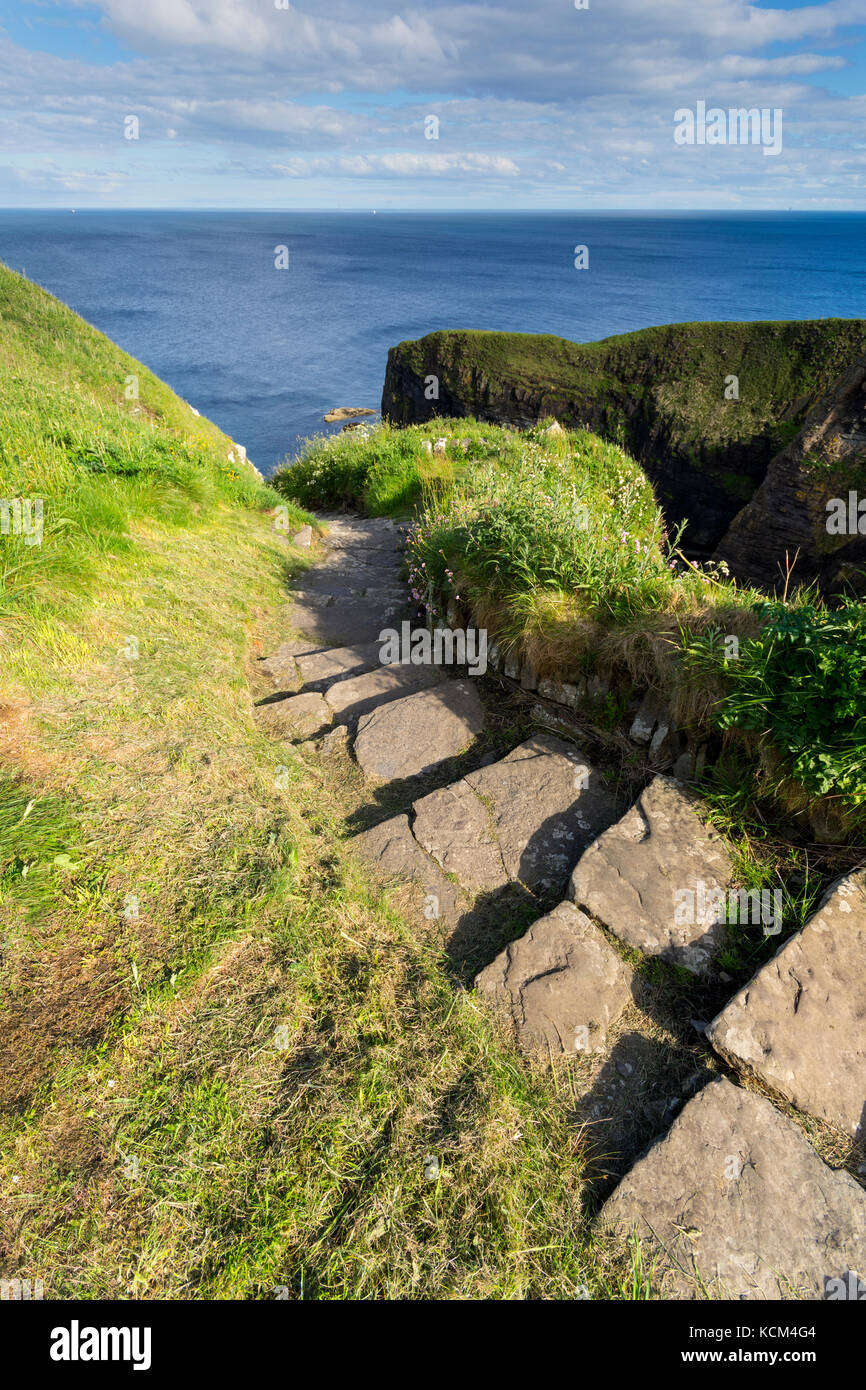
802	683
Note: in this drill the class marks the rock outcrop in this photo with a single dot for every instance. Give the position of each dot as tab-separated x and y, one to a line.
704	407
788	515
346	412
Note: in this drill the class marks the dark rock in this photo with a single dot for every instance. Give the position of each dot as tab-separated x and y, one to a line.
788	513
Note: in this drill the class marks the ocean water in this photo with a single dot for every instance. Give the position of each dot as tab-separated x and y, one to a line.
264	352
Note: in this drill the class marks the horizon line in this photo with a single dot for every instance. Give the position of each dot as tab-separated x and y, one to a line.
504	212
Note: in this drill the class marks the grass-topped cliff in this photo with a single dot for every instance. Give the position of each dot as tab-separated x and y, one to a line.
225	1057
663	393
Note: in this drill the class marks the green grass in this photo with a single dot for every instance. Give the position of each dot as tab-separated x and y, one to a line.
100	444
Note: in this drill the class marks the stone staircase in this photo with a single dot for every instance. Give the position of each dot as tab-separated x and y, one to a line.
730	1195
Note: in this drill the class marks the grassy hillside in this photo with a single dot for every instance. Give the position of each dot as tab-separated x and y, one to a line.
100	442
225	1058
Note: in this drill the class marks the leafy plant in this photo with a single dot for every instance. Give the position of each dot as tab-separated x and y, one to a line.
802	683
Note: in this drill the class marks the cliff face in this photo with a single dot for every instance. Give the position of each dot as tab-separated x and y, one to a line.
790	510
666	394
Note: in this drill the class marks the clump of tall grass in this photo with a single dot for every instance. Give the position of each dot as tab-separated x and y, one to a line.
383	469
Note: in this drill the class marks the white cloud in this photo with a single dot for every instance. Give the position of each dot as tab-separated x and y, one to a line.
402	165
235	95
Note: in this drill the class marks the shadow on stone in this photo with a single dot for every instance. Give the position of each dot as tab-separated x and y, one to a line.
387	799
494	920
635	1093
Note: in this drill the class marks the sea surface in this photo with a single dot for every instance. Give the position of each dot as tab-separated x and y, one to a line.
264	352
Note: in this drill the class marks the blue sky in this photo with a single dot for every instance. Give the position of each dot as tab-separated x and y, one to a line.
326	103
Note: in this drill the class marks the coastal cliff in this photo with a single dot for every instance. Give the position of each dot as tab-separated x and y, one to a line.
704	407
789	514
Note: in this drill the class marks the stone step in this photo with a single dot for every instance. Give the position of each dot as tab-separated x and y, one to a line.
359	695
799	1025
326	666
392	853
380	549
524	819
281	666
380	602
407	737
734	1203
351	564
295	718
340	623
562	984
359	577
636	878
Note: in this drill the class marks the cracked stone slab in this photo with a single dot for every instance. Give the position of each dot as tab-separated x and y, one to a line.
393	853
546	804
282	666
799	1025
337	663
359	695
358	559
389	596
407	737
320	592
562	983
298	717
453	825
349	549
524	818
735	1199
637	876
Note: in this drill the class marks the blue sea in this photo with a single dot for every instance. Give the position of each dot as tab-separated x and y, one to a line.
264	352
